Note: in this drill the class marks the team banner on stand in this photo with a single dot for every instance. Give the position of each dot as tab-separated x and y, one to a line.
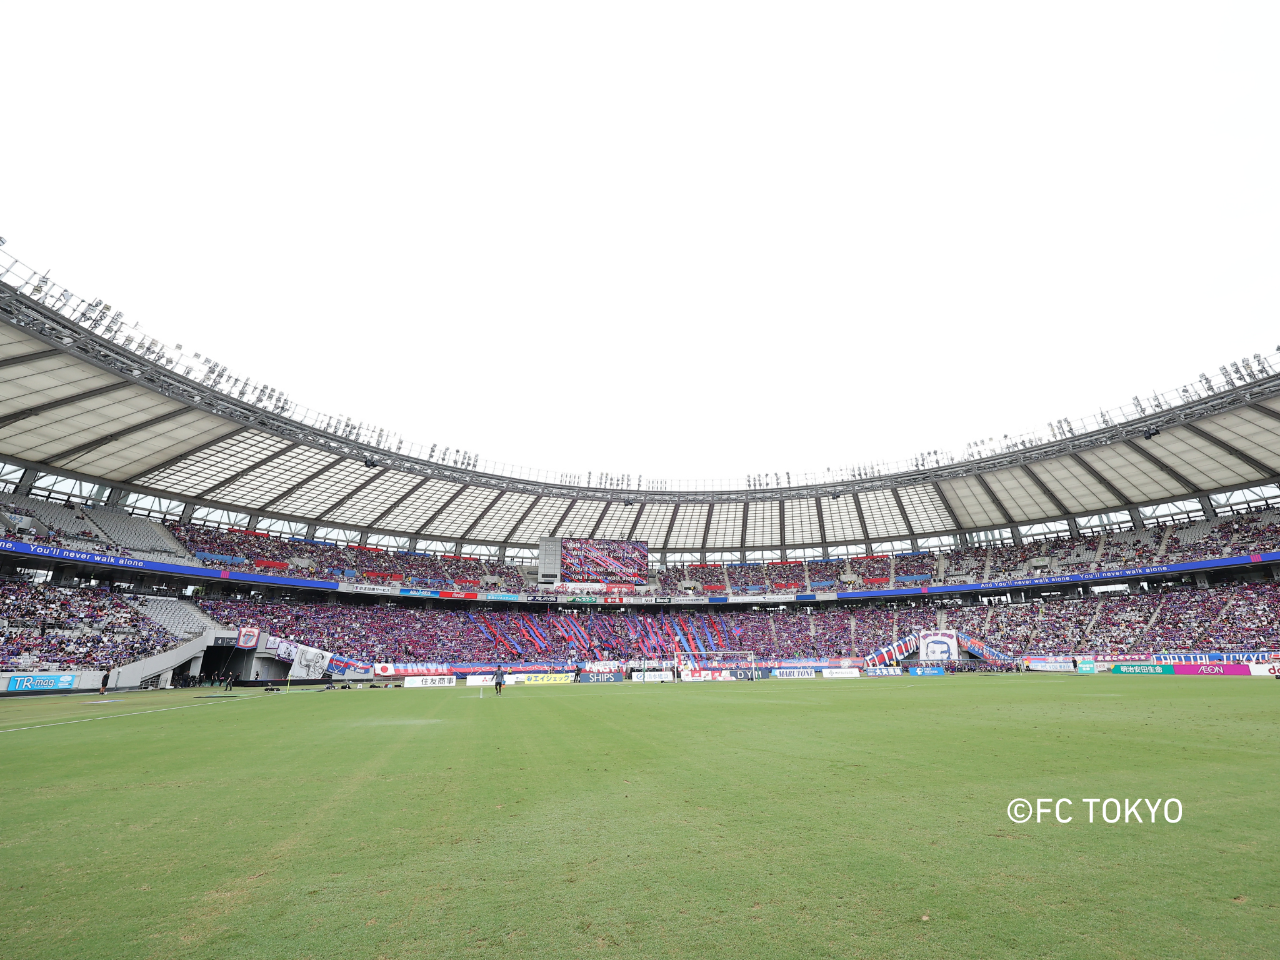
939	645
411	669
247	638
309	663
980	649
349	669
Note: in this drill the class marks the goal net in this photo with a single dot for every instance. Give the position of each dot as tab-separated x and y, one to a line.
741	664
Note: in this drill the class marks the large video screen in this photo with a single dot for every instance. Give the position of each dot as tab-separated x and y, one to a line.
604	561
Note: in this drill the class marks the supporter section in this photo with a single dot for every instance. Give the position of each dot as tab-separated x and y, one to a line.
89	626
115	532
1229	617
58	628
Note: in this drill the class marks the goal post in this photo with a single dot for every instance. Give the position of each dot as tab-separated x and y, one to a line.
718	660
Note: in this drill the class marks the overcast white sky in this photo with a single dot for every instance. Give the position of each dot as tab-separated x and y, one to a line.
670	240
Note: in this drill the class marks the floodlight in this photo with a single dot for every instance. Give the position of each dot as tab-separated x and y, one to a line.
1150	432
370	462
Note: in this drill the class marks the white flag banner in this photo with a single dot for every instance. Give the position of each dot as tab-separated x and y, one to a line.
309	663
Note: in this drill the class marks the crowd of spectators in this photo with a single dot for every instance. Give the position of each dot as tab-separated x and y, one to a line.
915	565
56	628
1070	555
786	576
826	574
873	569
1256	533
965	565
275	556
1130	548
747	577
710	575
1198	540
60	628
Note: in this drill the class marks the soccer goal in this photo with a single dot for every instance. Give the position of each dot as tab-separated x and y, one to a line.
743	662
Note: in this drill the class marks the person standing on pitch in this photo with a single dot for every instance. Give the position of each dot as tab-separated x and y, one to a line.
499	679
103	688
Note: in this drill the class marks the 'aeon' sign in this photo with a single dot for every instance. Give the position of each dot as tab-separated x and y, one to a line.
1211	669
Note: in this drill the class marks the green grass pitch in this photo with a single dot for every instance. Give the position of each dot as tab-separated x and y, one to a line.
816	818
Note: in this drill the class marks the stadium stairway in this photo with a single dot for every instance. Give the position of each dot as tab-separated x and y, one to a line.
153	668
1164	539
1155	614
1102	545
1088	630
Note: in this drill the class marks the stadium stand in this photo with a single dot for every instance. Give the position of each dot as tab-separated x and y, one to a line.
965	565
787	576
826	574
917	568
710	575
1130	548
871	570
139	537
182	618
747	577
1199	540
54	628
67	524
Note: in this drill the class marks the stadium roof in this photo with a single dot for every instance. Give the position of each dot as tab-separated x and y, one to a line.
80	405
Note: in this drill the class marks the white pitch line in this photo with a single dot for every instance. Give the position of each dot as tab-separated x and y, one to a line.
62	723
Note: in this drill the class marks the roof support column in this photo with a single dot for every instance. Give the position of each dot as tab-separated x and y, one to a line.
1205	503
187	510
1074	528
1017	537
364	538
1136	516
311	531
822	528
